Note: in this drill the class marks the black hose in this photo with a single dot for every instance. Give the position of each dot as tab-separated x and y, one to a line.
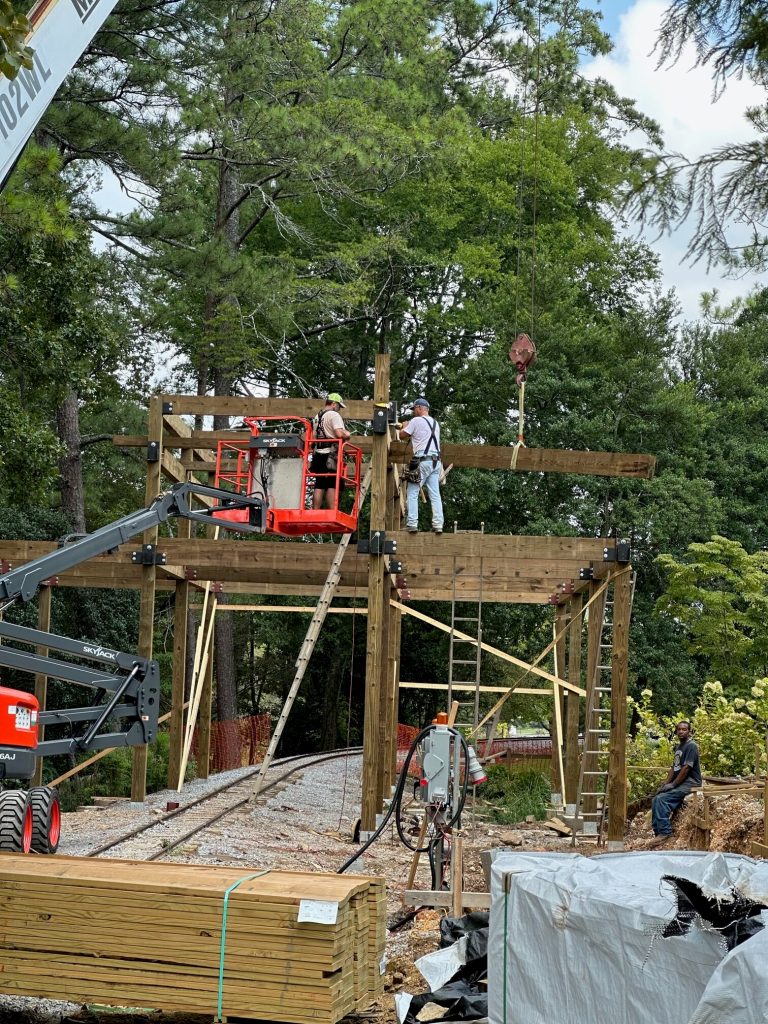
395	806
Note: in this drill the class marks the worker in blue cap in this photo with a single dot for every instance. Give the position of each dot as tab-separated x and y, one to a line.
423	431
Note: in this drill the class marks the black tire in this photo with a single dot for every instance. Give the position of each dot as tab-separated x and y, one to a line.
46	819
15	821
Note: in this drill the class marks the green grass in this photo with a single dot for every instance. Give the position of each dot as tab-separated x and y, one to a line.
515	795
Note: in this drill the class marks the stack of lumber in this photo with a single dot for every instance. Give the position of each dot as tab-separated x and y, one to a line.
131	933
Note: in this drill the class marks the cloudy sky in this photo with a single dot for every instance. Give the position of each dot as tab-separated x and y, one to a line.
680	99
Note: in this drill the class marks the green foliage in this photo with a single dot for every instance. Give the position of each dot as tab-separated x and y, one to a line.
517	794
730	734
719	594
14	28
111	776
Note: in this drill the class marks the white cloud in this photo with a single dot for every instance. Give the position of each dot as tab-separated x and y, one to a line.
680	98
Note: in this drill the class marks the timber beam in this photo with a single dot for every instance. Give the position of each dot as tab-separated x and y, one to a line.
529	460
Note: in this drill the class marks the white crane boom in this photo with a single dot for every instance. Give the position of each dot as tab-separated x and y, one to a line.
61	30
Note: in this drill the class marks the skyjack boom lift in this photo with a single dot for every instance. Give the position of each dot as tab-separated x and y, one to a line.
129	686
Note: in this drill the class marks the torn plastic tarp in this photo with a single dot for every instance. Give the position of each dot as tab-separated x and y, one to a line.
733	915
462	1003
582	938
452	972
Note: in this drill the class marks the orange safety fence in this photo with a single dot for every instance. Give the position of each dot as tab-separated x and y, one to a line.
406	734
523	751
237	743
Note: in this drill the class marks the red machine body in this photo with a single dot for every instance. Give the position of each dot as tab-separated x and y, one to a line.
19	713
278	467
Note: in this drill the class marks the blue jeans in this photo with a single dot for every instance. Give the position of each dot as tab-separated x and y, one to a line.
662	806
429	473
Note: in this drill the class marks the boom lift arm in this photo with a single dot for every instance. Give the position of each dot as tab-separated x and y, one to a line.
131	684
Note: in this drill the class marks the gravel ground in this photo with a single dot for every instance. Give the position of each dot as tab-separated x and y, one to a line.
306	824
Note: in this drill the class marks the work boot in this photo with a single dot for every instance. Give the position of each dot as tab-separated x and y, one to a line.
657	841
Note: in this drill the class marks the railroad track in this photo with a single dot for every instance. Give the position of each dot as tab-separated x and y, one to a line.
176	827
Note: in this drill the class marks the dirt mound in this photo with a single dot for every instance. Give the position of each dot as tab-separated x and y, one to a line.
736	821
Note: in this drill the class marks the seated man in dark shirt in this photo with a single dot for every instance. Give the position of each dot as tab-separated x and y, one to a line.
684	776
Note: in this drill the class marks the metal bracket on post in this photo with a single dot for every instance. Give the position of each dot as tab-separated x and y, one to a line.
167	408
587	573
381	421
153	451
621	554
148	554
394	567
377	544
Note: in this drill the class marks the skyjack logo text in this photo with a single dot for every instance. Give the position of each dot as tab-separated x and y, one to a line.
85	8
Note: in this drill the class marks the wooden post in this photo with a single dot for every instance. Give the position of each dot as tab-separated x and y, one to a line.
180	613
204	717
617	759
556	766
572	703
594	631
376	649
41	681
457	874
395	632
180	648
148	580
392	688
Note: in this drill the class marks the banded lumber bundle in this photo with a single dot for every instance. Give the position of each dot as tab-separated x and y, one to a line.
132	933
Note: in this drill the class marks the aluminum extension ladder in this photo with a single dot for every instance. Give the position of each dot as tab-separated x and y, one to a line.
465	655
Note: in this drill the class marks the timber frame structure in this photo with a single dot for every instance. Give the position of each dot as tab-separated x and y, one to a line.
391	568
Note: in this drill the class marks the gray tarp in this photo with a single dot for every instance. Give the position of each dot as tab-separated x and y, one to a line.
580	939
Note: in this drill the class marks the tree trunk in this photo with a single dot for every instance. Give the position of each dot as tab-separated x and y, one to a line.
226	666
222	315
71	462
331	698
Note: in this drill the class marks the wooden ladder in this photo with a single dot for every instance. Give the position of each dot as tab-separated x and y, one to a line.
308	645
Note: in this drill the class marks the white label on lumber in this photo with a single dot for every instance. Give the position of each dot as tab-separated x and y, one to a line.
318	911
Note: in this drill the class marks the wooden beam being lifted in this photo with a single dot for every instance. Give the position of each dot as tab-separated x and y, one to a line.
529	460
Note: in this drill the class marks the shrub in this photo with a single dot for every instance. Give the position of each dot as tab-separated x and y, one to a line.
517	794
728	732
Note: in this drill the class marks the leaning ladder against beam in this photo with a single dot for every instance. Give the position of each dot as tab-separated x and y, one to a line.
318	618
592	795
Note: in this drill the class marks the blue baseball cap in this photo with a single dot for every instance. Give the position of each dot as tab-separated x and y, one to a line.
421	400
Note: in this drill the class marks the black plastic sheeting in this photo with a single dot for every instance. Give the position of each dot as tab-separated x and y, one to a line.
734	915
461	994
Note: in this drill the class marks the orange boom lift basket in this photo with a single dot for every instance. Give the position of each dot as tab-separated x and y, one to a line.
278	467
